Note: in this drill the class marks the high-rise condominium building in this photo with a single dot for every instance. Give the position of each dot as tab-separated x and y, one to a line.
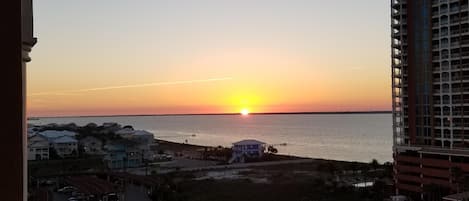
430	93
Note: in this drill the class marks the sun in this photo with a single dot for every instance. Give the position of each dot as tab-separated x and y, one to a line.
244	112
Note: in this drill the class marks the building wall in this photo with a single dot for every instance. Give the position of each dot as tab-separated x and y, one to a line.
38	151
92	146
38	148
430	94
253	150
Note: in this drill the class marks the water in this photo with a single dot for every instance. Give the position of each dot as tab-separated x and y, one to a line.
349	137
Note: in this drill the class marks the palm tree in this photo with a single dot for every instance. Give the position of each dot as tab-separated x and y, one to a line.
272	149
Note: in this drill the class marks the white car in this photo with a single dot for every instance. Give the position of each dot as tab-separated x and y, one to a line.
67	189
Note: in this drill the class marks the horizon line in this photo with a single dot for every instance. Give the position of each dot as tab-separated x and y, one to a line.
214	114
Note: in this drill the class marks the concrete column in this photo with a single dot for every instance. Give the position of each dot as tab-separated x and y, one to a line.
13	174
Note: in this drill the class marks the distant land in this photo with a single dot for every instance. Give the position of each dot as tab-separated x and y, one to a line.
207	114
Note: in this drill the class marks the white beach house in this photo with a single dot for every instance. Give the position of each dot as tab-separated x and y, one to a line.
247	149
38	148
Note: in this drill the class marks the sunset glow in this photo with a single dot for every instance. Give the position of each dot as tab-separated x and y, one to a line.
204	57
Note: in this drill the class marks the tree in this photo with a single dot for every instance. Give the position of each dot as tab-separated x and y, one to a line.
129	127
81	150
271	149
374	164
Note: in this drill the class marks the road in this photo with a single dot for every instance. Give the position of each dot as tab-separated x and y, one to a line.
239	165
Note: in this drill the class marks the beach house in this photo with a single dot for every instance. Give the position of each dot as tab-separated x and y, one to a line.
38	148
63	142
247	149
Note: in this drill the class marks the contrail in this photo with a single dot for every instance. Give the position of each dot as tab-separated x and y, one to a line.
73	92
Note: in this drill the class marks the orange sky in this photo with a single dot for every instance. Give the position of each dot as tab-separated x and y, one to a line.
150	59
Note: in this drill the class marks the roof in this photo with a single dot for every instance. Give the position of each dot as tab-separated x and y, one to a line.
39	144
248	142
125	131
115	147
129	131
142	132
35	137
90	138
55	134
65	139
31	130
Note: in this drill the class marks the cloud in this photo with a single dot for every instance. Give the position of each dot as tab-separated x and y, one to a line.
78	91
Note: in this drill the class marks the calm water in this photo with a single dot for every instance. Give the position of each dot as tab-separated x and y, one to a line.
350	137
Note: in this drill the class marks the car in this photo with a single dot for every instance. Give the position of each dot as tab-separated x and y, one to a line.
112	197
165	157
67	189
50	182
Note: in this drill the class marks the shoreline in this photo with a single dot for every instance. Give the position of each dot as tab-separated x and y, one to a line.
192	147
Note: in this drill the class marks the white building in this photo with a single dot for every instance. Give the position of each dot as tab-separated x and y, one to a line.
65	146
92	145
38	148
247	149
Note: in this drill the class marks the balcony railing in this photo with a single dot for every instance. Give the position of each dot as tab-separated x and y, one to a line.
459	113
463	89
458	78
458	20
460	31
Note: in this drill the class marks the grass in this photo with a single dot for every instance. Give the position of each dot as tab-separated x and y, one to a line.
48	168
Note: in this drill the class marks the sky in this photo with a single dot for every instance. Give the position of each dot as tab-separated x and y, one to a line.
121	57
